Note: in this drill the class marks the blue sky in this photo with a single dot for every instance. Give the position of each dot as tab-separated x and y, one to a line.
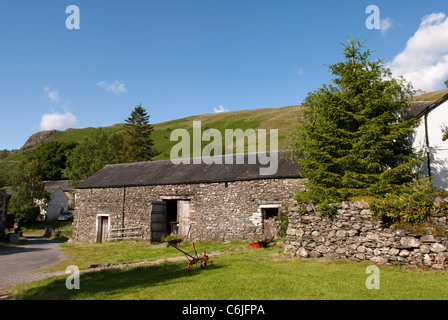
180	58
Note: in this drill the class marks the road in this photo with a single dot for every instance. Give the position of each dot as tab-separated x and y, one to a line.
16	262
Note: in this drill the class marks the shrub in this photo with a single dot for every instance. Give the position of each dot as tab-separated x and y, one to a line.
413	203
327	209
282	222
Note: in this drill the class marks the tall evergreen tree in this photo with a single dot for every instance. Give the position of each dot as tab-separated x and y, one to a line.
353	138
139	145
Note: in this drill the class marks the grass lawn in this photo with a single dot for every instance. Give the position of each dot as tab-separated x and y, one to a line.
84	254
245	274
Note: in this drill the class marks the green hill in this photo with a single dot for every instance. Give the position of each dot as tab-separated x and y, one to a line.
284	119
431	96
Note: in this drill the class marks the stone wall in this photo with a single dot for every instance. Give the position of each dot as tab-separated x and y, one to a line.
354	234
219	211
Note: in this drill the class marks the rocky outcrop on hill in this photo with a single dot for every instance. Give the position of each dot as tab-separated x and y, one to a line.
38	138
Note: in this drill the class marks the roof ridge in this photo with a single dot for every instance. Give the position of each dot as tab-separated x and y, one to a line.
192	158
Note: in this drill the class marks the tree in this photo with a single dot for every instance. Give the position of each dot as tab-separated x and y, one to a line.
3	154
29	186
353	139
139	144
52	156
93	153
446	83
4	177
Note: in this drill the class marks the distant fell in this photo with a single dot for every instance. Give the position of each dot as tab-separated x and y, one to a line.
284	119
431	96
38	138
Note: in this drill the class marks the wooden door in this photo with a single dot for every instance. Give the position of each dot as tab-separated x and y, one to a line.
103	229
159	221
183	216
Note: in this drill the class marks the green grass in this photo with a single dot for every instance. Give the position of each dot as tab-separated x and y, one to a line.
38	228
85	254
244	275
431	96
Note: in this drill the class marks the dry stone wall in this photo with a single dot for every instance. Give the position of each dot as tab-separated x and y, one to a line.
355	234
219	211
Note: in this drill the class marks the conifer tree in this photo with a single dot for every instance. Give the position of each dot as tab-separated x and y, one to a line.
139	145
354	138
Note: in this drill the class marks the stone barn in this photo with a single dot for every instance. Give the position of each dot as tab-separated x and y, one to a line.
197	201
4	199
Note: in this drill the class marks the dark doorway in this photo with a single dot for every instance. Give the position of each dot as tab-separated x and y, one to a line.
172	223
269	216
178	215
170	216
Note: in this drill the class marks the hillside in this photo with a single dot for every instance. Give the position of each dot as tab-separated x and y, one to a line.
284	119
431	96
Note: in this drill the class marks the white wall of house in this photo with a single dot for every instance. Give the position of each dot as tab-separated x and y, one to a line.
438	149
58	204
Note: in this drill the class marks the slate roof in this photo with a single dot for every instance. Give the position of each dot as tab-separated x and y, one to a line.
420	108
164	172
52	186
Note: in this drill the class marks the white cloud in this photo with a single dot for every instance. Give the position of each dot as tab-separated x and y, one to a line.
424	61
116	87
220	109
58	121
385	25
52	94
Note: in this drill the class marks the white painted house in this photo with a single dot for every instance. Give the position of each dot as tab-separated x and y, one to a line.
60	199
428	139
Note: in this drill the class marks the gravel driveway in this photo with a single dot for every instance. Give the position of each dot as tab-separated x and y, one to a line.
18	261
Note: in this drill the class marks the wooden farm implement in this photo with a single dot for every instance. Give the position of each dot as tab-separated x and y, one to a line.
193	258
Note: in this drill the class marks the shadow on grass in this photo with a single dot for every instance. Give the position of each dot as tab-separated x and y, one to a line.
114	283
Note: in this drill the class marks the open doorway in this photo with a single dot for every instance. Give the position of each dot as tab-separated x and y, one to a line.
269	215
172	225
170	216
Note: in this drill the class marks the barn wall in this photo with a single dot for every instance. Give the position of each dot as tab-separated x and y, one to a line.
220	211
3	208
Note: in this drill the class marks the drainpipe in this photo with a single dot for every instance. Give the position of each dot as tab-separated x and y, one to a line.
77	224
122	212
428	159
